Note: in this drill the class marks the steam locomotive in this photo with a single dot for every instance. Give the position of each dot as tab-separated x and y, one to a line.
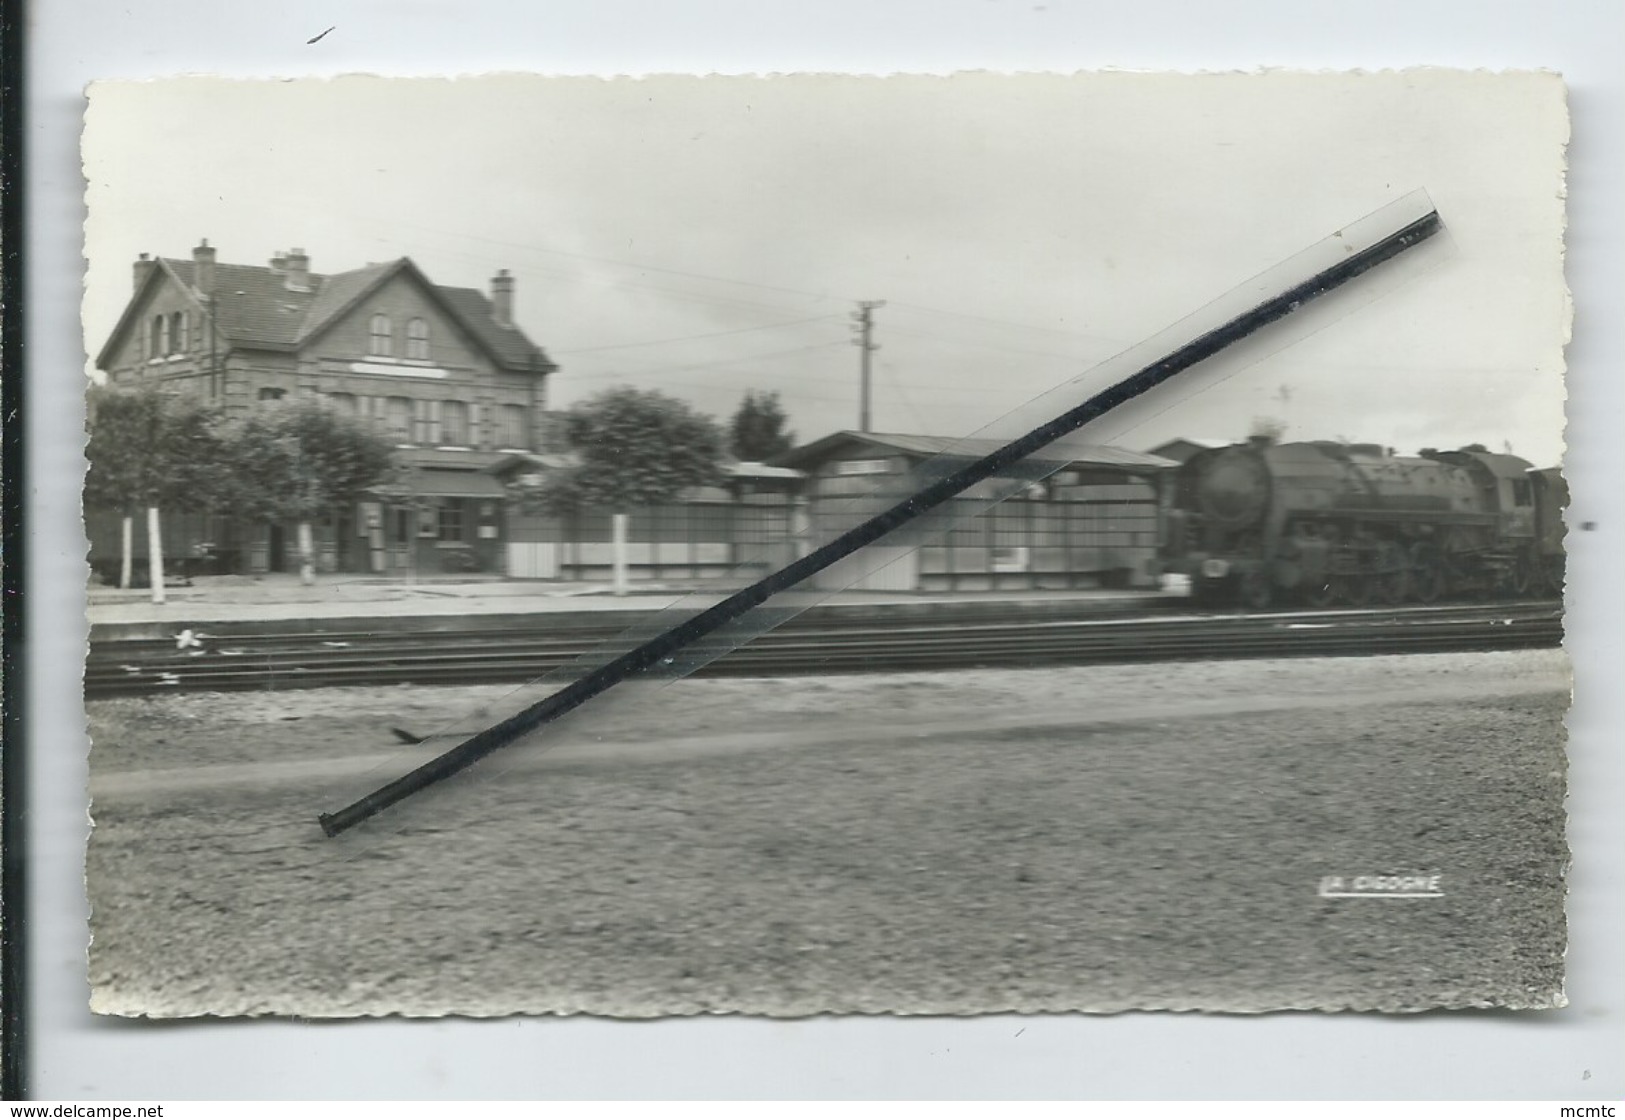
1322	523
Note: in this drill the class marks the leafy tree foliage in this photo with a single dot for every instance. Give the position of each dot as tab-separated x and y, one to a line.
756	432
152	448
299	461
633	448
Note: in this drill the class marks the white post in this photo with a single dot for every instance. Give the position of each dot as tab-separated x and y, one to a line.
307	555
127	544
618	536
155	555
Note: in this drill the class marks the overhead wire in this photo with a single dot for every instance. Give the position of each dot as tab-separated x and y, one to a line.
693	337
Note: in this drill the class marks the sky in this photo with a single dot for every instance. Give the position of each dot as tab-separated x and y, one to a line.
711	236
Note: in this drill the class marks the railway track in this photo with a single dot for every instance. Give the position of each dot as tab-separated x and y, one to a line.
813	645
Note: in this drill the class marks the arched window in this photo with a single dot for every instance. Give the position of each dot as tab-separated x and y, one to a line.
382	341
454	423
417	339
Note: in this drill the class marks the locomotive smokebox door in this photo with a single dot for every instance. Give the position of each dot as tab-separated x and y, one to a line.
1234	490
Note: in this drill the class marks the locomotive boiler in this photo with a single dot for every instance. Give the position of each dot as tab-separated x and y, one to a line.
1324	523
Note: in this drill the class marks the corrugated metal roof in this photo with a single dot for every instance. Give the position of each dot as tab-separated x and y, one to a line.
925	447
746	468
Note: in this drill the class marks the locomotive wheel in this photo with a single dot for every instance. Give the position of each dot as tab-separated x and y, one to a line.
1255	591
1354	590
1427	574
1320	592
1393	584
1390	587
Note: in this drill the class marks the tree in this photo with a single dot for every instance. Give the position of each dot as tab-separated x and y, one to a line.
300	461
632	448
152	449
756	432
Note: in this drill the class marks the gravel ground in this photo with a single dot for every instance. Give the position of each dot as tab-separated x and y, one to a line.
1096	838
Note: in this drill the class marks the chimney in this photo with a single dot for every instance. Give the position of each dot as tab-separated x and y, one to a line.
298	271
203	267
502	298
279	263
143	265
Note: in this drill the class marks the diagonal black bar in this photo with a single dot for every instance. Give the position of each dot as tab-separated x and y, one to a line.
652	652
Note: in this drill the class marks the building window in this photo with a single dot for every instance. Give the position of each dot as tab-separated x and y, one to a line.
272	394
511	430
417	339
160	336
426	422
177	333
382	343
398	419
451	521
454	423
343	404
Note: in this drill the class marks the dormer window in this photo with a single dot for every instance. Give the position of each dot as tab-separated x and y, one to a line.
417	340
382	342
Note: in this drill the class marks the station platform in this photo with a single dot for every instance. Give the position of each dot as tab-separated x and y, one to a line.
242	605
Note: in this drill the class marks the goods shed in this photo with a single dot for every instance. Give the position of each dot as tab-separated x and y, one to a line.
1093	522
750	518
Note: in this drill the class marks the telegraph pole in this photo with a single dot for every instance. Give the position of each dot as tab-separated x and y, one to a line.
864	319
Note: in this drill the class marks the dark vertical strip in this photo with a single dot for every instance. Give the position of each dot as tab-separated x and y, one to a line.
13	747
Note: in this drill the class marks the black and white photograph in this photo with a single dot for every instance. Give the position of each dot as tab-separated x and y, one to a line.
633	547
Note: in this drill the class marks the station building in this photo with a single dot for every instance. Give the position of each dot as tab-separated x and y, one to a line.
444	372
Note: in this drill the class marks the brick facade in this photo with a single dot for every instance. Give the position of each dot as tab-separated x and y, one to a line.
442	372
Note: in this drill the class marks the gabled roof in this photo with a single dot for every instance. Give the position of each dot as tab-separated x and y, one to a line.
253	307
1194	441
510	345
926	447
